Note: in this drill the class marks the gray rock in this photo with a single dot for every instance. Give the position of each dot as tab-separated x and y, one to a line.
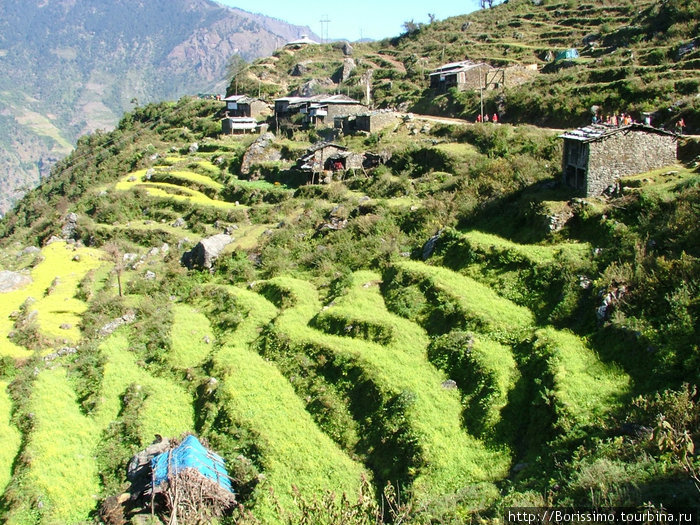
69	224
299	69
344	72
110	327
194	147
53	239
429	245
179	223
30	250
10	281
450	384
260	151
206	251
66	326
149	276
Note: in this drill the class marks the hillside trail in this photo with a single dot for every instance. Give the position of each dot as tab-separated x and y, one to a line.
462	122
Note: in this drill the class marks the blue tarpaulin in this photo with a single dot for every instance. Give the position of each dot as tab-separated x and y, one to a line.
190	454
569	54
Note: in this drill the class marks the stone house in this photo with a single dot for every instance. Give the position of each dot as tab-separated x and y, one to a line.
244	106
597	155
328	157
464	75
318	110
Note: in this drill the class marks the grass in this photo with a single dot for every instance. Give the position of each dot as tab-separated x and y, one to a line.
453	458
499	373
58	307
294	450
247	236
534	254
493	315
585	388
60	450
167	410
9	437
661	184
190	328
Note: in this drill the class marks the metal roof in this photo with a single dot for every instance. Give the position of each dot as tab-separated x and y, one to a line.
303	40
594	132
457	67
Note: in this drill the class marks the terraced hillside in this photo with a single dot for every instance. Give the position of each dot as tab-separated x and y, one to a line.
635	57
347	370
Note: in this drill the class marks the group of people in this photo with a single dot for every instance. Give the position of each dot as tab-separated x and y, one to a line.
623	119
485	118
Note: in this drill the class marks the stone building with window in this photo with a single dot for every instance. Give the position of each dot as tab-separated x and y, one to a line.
596	156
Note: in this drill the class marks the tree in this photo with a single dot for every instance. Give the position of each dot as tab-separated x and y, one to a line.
410	26
431	17
114	254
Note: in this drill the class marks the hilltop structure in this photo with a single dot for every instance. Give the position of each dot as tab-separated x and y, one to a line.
463	75
304	40
596	156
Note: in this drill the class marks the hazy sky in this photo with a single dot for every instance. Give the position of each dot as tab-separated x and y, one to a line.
353	19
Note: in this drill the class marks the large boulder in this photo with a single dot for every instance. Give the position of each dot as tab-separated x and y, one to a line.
260	151
10	281
206	251
69	224
344	72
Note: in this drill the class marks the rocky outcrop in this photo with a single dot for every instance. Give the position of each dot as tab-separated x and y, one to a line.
260	151
206	251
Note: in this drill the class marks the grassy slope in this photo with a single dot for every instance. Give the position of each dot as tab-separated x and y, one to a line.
168	409
61	467
190	328
56	308
9	437
453	457
294	451
494	315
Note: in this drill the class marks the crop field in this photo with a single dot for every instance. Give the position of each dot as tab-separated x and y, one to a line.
53	288
9	437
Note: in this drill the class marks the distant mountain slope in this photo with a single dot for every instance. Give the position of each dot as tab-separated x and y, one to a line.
71	66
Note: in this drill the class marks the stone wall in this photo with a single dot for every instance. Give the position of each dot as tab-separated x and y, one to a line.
626	153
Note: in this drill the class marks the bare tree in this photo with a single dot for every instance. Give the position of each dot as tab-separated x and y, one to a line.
410	26
431	17
115	255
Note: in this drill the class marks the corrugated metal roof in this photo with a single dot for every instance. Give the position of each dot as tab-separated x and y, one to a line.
457	67
594	132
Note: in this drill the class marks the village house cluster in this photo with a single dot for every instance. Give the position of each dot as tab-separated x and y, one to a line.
594	156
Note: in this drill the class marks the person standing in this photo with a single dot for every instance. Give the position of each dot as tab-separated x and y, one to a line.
494	119
680	125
